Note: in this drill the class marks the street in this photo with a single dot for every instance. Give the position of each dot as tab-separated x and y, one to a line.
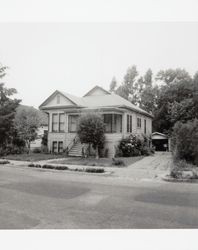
44	199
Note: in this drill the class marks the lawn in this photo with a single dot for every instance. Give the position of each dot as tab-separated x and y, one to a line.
103	162
32	157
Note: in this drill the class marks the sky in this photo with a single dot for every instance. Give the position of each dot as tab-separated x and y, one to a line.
74	57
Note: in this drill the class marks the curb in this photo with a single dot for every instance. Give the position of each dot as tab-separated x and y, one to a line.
171	179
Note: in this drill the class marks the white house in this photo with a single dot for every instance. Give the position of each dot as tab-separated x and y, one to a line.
120	117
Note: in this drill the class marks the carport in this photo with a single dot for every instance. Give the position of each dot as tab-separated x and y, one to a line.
160	141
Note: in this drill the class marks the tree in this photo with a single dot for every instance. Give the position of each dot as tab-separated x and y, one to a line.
177	87
91	130
113	85
128	88
7	111
26	124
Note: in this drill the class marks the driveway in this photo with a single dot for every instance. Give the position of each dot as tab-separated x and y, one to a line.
149	168
37	199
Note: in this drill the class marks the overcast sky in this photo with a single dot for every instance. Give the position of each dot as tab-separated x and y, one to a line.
74	57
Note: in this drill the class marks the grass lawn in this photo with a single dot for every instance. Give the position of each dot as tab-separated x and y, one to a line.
103	162
32	157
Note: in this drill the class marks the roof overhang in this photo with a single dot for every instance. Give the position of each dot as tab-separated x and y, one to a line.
137	111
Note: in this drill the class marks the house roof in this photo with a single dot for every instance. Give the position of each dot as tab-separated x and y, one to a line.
105	99
96	88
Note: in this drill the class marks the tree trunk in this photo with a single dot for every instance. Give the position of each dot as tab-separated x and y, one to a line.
97	153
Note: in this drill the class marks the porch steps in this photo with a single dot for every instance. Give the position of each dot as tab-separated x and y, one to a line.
76	150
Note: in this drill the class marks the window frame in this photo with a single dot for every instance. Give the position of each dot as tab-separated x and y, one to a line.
61	123
70	123
139	122
129	123
55	123
145	126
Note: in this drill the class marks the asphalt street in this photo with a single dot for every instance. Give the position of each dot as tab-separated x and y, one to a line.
42	199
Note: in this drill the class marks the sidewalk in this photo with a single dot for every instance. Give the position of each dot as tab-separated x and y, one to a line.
149	168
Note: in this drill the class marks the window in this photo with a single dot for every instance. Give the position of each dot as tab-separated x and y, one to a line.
139	122
129	123
55	122
113	123
58	99
58	122
61	122
60	147
73	123
145	126
54	147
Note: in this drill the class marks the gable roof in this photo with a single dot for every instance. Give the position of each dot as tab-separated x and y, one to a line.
161	134
73	99
98	101
97	88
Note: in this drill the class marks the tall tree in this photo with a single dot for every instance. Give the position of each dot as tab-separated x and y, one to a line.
113	84
128	88
7	111
177	87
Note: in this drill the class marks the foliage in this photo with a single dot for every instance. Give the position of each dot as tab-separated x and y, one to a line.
91	130
45	138
128	88
117	162
94	170
36	150
134	146
7	111
48	166
185	141
26	124
4	162
113	85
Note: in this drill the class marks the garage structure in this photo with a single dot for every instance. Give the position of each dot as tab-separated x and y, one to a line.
161	142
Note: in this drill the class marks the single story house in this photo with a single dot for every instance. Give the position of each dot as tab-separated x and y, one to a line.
120	116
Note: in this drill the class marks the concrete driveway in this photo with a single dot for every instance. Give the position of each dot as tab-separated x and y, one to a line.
149	168
35	198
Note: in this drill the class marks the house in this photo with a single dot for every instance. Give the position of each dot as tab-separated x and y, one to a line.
120	117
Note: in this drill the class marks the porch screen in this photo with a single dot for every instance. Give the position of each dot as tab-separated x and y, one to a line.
73	123
113	123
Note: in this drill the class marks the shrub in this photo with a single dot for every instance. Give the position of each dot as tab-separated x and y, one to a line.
48	166
61	168
31	165
185	141
94	170
117	162
131	146
146	151
4	162
37	150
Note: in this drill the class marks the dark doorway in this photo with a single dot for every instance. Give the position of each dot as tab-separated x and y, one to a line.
160	144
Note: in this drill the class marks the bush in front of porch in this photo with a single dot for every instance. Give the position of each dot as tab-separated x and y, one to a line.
134	145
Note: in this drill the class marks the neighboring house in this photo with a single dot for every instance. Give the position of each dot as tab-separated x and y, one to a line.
37	143
120	117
